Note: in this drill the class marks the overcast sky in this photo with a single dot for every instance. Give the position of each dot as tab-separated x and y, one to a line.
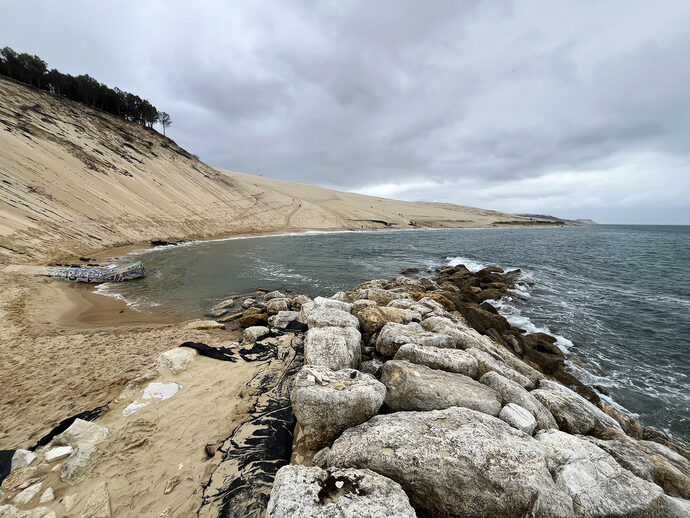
579	109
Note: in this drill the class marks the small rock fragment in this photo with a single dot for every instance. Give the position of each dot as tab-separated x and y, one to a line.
22	458
57	453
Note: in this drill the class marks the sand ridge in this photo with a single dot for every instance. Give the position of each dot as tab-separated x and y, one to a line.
74	180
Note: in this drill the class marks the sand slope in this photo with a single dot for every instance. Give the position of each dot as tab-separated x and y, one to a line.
74	179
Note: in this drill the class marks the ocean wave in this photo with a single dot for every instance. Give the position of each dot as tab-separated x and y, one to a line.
470	264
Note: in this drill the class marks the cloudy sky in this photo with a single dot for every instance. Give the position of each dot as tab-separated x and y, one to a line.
579	109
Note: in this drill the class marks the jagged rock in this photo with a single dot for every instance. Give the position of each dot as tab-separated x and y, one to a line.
417	387
323	316
248	302
47	496
330	303
10	511
254	333
22	458
203	325
392	336
573	413
273	295
511	392
260	319
282	319
77	465
372	319
489	363
57	453
98	504
648	460
275	306
81	432
454	462
333	347
254	310
175	359
598	485
302	492
518	417
26	495
450	360
327	402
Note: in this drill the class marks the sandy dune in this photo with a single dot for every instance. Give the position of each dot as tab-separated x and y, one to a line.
74	180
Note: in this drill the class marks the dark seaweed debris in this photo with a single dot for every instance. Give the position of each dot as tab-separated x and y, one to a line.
5	463
88	415
217	353
241	484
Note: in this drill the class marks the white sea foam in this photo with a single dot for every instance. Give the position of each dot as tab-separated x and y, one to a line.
470	264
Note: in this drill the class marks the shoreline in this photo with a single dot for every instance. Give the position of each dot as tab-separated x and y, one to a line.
242	409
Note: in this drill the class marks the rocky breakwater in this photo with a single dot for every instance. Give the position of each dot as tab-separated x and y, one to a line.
418	399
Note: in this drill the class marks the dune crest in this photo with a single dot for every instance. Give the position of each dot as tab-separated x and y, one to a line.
75	179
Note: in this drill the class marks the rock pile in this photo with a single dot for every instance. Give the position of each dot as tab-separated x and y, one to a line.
418	389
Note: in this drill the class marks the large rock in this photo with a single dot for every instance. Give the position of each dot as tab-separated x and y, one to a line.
76	466
383	297
465	338
416	387
518	417
22	458
282	319
511	392
323	316
302	492
333	347
573	413
450	360
411	305
372	319
254	320
275	306
489	363
254	333
326	402
81	432
598	485
298	301
444	301
454	462
393	336
175	359
331	303
648	460
27	494
204	325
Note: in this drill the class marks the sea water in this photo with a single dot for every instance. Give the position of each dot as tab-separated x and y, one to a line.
617	297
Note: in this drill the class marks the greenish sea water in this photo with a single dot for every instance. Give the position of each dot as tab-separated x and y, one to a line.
617	297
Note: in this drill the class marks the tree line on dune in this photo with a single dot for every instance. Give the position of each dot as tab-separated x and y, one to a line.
84	89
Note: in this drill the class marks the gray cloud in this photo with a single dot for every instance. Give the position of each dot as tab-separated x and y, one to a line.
516	106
